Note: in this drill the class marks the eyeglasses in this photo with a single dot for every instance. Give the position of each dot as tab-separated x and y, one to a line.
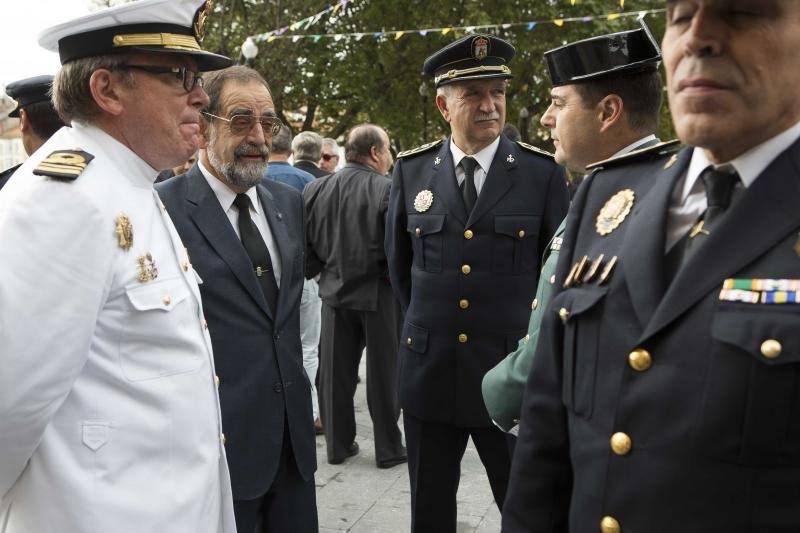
241	124
328	157
188	78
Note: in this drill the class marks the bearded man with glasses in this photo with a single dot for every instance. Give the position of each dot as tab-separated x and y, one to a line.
245	238
109	412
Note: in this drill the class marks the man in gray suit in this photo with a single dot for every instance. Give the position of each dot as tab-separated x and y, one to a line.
346	214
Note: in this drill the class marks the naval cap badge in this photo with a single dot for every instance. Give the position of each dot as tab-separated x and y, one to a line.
614	211
423	201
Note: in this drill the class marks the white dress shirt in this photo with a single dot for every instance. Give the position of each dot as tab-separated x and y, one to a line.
226	197
689	196
484	159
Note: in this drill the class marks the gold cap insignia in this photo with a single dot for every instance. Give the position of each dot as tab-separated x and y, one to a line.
124	232
64	164
614	212
423	201
200	20
480	48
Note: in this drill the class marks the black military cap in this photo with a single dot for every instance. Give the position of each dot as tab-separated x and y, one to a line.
627	51
470	58
29	91
169	26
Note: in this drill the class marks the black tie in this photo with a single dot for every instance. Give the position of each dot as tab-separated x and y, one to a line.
257	249
719	186
469	192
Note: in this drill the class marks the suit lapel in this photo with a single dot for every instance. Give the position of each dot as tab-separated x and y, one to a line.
642	251
212	222
766	213
498	180
279	233
445	184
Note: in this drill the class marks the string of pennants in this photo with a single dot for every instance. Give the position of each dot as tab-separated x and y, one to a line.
284	33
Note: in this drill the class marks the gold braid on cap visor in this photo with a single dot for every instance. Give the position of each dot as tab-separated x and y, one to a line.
450	74
167	40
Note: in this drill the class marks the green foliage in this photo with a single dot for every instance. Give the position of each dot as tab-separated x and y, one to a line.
330	86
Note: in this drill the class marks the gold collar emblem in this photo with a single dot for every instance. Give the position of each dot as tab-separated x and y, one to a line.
614	212
124	232
423	201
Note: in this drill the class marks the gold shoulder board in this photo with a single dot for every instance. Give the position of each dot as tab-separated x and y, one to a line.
656	150
64	164
420	149
535	150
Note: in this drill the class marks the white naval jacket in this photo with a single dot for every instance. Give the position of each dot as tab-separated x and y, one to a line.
109	412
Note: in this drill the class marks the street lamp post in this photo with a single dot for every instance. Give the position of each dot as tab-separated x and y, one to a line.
423	92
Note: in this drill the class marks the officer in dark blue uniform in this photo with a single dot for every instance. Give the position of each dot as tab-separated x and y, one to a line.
469	218
38	120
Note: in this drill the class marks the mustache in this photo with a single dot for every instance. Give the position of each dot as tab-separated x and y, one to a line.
252	149
494	115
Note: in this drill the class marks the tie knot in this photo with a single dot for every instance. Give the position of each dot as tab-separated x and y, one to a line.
719	186
242	202
469	164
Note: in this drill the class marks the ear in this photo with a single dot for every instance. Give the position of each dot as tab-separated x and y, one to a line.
24	121
374	154
105	87
441	104
609	111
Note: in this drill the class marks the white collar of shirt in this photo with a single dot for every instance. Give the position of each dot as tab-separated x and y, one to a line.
484	157
225	195
633	146
749	165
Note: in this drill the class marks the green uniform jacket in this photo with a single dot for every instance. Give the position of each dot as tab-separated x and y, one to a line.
504	384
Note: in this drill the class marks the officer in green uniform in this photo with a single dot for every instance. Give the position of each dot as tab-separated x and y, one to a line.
605	102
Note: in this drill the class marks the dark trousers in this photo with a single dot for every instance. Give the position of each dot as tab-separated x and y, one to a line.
434	467
290	504
345	333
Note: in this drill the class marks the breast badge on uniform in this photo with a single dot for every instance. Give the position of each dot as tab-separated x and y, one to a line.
761	291
614	211
64	164
147	268
423	201
124	231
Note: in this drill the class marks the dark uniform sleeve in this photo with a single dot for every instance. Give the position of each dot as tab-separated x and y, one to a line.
540	483
556	206
397	243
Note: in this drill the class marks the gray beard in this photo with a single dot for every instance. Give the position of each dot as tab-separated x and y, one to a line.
237	174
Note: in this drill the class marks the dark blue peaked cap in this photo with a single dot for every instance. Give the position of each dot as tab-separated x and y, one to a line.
470	58
29	91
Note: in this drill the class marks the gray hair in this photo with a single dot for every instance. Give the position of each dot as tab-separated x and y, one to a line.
72	97
332	144
282	141
360	141
307	146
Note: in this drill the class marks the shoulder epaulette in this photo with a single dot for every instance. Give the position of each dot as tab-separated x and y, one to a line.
420	149
64	164
535	150
655	150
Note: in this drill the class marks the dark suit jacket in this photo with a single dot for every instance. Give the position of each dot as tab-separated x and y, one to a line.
6	175
311	168
714	424
466	282
257	355
345	225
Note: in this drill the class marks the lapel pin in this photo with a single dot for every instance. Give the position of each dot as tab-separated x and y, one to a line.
437	160
614	211
672	161
606	275
510	158
697	229
594	269
423	201
124	232
279	215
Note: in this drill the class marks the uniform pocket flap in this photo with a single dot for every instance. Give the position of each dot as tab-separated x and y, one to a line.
770	336
517	226
415	338
95	434
421	225
578	301
160	294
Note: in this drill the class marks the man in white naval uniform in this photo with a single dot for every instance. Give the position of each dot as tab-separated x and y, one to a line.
109	412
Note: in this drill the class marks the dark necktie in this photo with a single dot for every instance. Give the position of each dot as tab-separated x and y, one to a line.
469	192
257	249
719	186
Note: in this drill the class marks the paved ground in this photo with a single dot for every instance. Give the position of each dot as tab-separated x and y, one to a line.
358	497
